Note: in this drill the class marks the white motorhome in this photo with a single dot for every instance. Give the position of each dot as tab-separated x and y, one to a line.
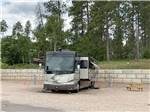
66	70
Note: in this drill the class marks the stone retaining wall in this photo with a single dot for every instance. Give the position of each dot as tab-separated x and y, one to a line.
125	75
22	74
117	75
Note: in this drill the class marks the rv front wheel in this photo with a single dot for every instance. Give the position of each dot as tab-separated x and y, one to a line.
53	91
78	88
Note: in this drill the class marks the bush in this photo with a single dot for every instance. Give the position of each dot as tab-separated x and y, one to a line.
146	54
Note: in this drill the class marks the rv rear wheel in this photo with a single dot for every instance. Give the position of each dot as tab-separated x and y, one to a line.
92	84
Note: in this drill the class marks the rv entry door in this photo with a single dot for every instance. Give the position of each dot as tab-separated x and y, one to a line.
84	63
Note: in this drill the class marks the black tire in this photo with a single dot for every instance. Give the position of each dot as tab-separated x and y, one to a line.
92	84
78	88
43	91
53	91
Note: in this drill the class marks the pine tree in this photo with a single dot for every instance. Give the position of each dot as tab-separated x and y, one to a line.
39	16
27	28
96	29
145	36
17	29
117	42
56	8
3	27
101	22
80	11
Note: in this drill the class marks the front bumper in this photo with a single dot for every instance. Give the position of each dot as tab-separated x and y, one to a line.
60	87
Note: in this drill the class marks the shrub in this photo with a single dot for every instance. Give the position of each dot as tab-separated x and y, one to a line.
146	54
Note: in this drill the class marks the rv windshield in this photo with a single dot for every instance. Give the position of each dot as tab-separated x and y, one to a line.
60	63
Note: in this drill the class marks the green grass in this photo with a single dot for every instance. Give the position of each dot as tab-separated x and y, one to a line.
119	64
126	64
19	66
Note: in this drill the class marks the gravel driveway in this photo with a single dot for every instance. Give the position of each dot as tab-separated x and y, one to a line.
23	96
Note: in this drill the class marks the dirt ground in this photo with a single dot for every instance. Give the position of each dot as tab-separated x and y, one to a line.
23	96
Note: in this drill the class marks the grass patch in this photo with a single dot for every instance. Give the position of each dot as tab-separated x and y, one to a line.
118	64
19	66
126	64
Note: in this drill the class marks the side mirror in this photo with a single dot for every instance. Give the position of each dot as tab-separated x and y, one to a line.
78	67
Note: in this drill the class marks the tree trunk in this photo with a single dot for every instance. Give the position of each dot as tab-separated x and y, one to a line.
88	18
23	59
55	45
82	29
40	14
107	41
59	20
137	39
107	45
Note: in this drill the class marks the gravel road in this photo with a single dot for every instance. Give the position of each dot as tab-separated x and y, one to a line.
23	96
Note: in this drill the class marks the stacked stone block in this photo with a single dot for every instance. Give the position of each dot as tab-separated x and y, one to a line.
116	75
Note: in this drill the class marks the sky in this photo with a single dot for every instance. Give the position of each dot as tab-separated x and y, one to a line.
22	10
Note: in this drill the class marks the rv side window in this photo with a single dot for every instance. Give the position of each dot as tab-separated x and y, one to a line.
83	64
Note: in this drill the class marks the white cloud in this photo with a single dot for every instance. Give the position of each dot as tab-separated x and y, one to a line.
18	11
19	1
23	10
